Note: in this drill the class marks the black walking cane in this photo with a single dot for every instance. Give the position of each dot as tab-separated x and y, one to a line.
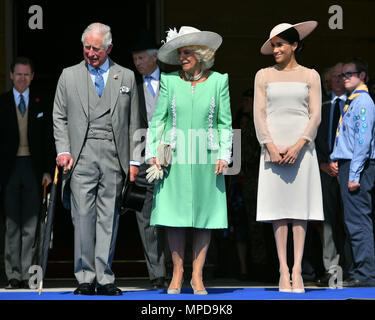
48	228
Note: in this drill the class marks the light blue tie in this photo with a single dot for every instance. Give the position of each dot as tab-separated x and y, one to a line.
22	106
148	80
99	81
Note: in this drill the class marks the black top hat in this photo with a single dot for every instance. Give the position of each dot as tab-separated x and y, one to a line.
143	42
133	197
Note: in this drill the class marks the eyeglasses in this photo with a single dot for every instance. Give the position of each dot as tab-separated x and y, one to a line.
88	48
348	75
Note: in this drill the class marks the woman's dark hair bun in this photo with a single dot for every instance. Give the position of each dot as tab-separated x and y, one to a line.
291	35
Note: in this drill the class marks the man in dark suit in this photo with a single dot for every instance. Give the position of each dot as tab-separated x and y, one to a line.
26	163
145	57
334	253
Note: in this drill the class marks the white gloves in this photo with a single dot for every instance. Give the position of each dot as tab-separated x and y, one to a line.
164	157
153	173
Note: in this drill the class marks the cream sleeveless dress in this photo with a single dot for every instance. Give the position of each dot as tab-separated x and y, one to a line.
287	106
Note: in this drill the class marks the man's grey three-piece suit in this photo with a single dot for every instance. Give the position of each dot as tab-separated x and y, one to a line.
98	133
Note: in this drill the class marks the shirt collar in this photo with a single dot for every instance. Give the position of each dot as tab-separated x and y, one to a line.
25	94
155	75
104	67
342	97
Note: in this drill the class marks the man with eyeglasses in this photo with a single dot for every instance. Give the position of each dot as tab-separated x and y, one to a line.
354	150
95	117
333	237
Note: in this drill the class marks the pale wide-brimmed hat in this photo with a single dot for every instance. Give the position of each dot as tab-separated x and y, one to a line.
186	36
303	29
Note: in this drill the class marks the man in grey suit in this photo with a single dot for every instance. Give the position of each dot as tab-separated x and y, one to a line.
95	117
145	57
335	248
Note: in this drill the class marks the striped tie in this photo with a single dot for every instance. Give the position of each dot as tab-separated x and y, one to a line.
22	106
361	89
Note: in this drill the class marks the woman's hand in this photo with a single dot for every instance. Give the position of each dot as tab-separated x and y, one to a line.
274	152
292	153
220	166
153	161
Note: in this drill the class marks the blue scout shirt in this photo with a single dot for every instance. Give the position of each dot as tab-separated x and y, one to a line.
356	136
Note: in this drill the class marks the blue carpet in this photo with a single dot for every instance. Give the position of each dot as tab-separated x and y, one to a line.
214	294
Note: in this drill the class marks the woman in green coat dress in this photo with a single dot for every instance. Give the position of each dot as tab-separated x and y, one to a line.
193	117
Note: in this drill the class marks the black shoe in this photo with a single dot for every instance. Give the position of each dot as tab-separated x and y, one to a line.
353	283
25	284
13	284
159	283
87	289
108	290
323	280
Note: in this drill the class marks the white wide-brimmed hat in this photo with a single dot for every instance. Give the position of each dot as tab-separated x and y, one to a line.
303	29
186	36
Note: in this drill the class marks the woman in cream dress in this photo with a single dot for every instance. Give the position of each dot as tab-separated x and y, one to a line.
287	105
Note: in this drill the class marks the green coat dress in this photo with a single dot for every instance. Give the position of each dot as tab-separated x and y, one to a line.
197	123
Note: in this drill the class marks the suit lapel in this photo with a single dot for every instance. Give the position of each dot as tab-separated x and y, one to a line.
11	105
142	102
114	81
82	78
31	114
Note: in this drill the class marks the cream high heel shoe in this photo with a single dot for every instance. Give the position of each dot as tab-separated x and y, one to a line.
284	283
297	286
198	292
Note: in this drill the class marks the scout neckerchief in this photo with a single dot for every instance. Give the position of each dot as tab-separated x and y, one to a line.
361	89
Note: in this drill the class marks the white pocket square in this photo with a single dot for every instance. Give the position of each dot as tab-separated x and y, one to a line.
40	114
124	89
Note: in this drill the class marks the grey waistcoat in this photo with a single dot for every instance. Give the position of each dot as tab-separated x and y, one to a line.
100	125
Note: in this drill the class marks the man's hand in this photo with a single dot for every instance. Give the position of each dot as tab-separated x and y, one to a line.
46	179
326	167
353	186
133	172
334	168
66	161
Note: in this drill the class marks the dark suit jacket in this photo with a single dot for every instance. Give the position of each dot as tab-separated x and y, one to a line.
142	109
142	102
39	133
321	141
142	105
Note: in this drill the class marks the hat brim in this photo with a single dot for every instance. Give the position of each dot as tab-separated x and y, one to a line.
168	52
303	29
